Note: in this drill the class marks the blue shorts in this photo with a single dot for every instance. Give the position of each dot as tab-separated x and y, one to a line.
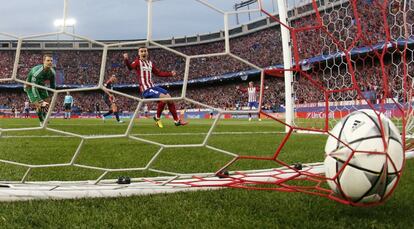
253	104
154	92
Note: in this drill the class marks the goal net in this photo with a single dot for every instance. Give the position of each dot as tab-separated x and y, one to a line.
353	55
338	57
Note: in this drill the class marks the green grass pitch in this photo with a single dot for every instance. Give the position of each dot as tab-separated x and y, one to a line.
227	208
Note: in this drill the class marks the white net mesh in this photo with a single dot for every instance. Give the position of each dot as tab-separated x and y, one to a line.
99	186
328	84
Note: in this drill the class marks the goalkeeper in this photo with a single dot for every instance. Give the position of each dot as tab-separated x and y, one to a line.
39	74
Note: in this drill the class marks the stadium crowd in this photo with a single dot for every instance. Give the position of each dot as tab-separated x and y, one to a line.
261	48
6	63
221	96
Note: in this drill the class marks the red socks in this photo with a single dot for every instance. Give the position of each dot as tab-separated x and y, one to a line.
171	107
160	108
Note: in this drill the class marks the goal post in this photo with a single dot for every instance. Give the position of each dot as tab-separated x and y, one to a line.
287	63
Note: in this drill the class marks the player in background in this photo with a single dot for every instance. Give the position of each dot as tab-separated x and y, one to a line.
145	110
39	74
26	109
13	112
252	97
68	104
97	110
110	100
145	68
211	111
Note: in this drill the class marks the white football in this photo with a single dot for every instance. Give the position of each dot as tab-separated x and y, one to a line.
364	157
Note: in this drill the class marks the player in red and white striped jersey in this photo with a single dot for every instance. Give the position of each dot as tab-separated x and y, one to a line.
252	97
145	69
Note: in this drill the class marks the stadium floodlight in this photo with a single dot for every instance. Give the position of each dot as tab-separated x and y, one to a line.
243	4
70	22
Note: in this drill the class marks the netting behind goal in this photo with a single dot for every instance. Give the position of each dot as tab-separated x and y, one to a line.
353	55
348	56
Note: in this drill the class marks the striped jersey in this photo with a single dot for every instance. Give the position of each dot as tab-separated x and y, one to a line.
144	70
251	92
68	99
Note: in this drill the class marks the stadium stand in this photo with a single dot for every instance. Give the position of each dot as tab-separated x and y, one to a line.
77	66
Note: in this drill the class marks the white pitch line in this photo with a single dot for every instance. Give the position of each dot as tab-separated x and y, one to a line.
86	124
155	134
36	136
216	133
137	123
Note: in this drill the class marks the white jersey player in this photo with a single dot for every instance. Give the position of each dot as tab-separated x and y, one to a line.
26	109
251	91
